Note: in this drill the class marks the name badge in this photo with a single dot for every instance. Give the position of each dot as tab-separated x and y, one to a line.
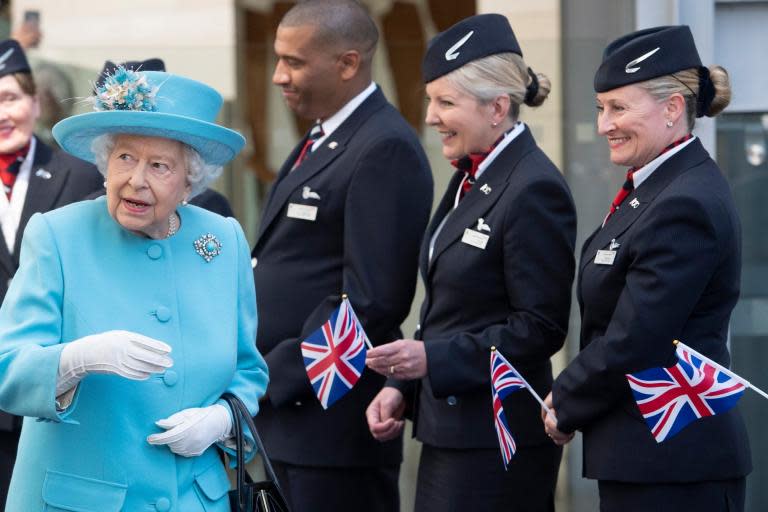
302	211
475	239
605	257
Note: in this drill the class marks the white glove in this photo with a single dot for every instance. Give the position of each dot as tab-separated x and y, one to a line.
123	353
190	432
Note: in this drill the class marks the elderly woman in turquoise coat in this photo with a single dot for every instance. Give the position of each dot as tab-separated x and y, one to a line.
132	314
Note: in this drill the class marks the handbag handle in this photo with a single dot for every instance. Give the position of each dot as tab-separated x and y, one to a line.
241	412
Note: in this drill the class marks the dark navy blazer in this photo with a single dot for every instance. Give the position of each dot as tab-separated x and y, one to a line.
372	187
514	294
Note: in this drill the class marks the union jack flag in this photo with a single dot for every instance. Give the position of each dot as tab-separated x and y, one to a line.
504	380
334	355
671	398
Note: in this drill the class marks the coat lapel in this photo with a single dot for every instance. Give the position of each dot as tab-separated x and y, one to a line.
320	159
625	216
476	202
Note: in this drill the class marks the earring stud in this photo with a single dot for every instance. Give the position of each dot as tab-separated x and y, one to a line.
670	124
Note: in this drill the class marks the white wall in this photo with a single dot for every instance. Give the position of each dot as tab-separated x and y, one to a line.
195	38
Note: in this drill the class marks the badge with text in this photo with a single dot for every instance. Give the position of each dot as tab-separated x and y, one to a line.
475	238
604	257
302	211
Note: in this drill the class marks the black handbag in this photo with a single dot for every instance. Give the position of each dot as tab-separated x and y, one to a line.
252	496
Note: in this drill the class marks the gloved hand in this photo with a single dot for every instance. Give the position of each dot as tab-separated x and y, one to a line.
190	432
123	353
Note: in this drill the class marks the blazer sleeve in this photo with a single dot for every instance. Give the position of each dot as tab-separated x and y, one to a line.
31	328
673	256
251	377
386	211
539	238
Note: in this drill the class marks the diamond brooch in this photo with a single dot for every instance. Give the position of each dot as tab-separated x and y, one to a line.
208	246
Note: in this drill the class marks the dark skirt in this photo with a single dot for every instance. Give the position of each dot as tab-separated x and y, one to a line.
712	496
330	489
475	480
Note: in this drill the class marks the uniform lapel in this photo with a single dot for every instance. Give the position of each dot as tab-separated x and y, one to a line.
643	196
445	206
331	148
477	202
6	261
45	186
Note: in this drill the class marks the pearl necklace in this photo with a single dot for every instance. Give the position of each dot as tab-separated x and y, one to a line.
173	225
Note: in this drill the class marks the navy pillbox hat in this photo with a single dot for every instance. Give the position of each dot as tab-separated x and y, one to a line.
470	39
646	54
12	58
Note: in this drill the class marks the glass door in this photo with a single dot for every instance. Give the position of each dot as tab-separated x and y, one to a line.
741	152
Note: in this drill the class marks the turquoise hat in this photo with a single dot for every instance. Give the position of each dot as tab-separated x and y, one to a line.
156	104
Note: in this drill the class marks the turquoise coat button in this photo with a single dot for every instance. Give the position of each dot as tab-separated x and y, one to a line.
170	378
155	251
163	314
163	505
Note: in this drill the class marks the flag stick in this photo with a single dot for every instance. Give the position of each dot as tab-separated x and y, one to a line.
344	298
722	369
532	391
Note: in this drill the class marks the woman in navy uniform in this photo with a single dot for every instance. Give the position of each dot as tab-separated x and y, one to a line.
497	262
664	265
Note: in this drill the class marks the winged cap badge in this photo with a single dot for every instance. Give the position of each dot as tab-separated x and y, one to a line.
4	57
632	66
453	53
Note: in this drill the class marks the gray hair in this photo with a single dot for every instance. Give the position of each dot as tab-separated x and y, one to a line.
686	83
199	173
497	75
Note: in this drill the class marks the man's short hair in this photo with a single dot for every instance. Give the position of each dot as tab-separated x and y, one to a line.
341	24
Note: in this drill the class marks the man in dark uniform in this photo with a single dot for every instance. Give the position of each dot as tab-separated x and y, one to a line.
346	215
35	178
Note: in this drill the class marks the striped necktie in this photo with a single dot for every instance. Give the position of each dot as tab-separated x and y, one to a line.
314	134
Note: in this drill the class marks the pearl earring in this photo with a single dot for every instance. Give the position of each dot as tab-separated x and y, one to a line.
494	124
184	202
670	124
105	183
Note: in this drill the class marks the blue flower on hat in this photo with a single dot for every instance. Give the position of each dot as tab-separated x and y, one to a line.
125	89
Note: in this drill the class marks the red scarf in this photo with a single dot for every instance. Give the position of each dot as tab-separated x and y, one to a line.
10	163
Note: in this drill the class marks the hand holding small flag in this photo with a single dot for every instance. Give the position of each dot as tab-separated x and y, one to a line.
401	359
549	418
